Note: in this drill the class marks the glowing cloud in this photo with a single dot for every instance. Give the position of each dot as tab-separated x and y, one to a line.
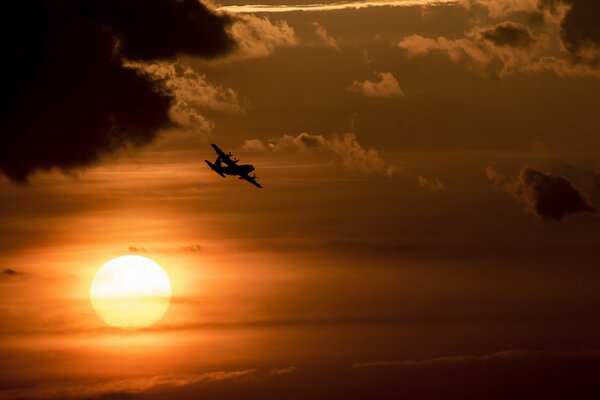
344	5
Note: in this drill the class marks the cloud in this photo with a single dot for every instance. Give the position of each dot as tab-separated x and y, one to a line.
254	145
191	93
502	8
586	179
508	355
121	387
548	197
345	149
9	273
161	28
282	371
321	32
68	98
434	186
509	34
259	37
386	86
336	6
509	47
580	33
501	49
189	249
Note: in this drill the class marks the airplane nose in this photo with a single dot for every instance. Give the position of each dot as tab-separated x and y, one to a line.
251	169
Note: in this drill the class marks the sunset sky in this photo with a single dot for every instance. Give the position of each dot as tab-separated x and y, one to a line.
428	226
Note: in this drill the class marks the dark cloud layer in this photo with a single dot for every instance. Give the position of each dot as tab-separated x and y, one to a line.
509	34
161	29
551	198
67	99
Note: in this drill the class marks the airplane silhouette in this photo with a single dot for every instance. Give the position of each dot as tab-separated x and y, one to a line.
231	166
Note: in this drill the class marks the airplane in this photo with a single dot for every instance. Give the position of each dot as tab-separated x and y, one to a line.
231	166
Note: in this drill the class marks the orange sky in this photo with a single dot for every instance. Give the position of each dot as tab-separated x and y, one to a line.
427	227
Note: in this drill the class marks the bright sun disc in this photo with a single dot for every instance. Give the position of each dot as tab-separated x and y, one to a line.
131	292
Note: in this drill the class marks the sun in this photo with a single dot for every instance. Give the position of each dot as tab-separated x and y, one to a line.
131	292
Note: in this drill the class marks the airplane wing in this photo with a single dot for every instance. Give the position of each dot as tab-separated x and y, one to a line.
252	180
226	158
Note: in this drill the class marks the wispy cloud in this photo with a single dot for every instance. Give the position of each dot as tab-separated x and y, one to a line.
516	355
69	390
344	5
328	40
188	249
131	386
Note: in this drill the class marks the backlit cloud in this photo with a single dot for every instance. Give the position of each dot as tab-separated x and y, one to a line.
192	93
345	149
385	86
343	5
558	38
502	8
259	36
322	34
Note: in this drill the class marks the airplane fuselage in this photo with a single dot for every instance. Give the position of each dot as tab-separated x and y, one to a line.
223	170
237	170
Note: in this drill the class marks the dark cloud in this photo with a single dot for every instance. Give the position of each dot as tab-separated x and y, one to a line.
309	140
67	99
586	179
159	29
509	34
580	28
551	198
10	272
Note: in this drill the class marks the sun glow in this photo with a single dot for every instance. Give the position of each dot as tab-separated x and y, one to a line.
131	292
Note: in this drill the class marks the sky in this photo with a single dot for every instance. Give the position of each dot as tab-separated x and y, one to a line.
428	223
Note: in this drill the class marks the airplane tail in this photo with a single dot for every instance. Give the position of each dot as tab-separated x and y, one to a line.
214	168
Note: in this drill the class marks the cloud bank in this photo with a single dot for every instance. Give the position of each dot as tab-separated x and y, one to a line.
69	98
